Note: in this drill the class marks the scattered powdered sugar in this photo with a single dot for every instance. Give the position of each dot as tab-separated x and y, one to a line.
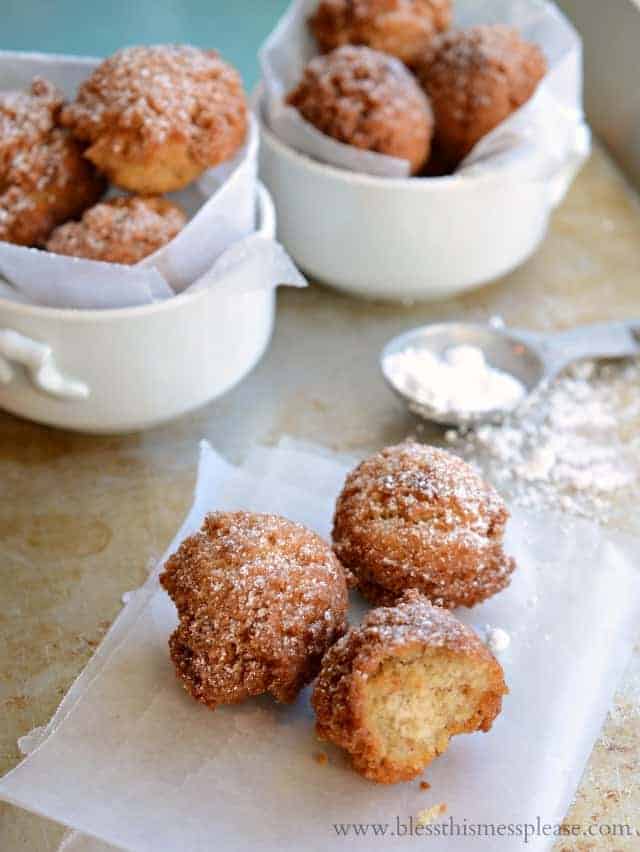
573	445
461	382
497	639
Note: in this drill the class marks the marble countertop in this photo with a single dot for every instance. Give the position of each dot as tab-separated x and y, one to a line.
80	517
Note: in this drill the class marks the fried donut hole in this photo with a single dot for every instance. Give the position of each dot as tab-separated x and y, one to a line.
27	117
403	28
369	100
156	117
44	178
395	689
416	517
260	599
476	79
121	230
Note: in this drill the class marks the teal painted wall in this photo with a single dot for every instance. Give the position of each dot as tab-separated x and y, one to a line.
235	27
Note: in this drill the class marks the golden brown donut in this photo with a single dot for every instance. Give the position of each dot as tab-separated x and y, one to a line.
260	599
121	230
403	28
44	179
416	517
367	99
475	79
27	117
395	689
156	117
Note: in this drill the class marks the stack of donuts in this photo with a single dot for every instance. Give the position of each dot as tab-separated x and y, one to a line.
147	121
262	607
393	78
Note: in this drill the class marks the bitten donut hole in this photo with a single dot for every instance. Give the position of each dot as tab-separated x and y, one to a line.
416	704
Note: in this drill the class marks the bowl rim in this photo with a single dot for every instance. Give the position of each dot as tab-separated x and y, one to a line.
266	227
374	182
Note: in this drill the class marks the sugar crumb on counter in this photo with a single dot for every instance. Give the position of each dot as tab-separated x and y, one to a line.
496	639
429	815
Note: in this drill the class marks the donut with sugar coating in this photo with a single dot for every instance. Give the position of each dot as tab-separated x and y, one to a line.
367	99
395	689
403	28
260	599
121	230
417	517
156	117
44	177
475	79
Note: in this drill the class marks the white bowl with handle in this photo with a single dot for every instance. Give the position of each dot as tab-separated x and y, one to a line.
131	368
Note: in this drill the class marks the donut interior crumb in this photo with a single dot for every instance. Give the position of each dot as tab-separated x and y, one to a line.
416	703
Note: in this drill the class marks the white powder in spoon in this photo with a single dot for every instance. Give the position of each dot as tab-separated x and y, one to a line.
460	382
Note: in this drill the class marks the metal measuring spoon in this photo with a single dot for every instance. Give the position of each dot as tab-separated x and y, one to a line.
530	357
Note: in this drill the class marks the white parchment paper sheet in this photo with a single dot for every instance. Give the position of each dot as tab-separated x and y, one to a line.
547	133
221	206
129	758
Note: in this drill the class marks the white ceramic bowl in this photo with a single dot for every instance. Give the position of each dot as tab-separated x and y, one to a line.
133	368
408	239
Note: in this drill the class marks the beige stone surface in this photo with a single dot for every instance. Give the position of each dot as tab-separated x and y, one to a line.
81	517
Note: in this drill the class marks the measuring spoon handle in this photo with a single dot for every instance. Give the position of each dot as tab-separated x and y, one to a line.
601	340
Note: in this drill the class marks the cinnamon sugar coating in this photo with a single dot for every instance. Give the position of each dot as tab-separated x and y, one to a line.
396	688
121	230
44	178
414	516
475	79
367	99
27	117
260	599
403	28
156	117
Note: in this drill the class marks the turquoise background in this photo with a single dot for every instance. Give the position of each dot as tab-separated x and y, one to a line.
234	27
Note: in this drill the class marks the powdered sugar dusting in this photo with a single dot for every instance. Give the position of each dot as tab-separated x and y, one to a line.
566	449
